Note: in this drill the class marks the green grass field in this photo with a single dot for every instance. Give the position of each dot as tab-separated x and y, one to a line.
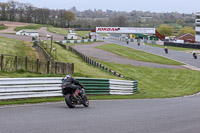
82	33
57	30
137	55
3	27
169	47
34	27
159	82
23	74
65	32
82	69
16	47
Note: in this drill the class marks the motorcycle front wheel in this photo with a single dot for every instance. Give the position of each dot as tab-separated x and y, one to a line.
70	101
86	101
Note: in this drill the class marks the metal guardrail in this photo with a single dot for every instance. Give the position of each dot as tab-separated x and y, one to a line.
77	41
14	88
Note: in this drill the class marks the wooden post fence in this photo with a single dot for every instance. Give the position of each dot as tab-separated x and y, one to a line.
2	62
11	63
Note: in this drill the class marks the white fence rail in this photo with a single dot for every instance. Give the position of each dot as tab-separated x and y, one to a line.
13	88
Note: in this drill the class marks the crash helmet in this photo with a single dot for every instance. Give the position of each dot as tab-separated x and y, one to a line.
68	76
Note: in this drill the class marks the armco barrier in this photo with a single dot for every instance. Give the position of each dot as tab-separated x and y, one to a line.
13	88
95	86
77	41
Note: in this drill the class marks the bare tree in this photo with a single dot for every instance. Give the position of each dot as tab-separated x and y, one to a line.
120	21
12	10
61	17
4	7
29	10
42	14
20	11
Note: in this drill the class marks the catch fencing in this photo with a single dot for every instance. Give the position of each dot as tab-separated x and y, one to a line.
15	88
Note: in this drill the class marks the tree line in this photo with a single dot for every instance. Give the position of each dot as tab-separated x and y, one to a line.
15	11
21	12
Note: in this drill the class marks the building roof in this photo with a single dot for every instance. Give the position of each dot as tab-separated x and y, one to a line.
29	30
184	34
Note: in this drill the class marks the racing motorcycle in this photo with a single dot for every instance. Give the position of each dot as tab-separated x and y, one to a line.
71	99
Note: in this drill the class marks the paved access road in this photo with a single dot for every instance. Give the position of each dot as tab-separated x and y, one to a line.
43	35
175	115
184	57
43	32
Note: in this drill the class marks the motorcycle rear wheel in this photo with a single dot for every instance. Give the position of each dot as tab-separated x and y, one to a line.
70	101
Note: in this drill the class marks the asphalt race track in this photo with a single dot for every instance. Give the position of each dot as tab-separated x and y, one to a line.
174	115
184	57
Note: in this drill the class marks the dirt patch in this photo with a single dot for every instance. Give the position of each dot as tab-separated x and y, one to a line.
2	25
11	26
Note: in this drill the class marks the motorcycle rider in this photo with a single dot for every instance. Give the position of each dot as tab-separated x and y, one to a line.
71	83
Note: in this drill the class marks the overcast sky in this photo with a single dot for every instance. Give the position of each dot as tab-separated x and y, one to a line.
181	6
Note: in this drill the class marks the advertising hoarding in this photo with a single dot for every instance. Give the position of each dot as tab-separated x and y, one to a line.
125	30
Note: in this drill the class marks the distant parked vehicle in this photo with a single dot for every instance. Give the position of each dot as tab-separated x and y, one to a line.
72	36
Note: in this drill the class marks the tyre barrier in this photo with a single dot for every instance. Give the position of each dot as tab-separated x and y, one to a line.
15	88
77	41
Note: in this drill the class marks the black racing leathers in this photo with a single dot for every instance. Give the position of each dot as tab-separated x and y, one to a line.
71	83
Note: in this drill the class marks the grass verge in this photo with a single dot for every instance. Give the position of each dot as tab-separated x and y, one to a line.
159	82
16	47
65	32
82	33
34	26
57	30
31	100
3	27
81	68
169	47
137	55
24	74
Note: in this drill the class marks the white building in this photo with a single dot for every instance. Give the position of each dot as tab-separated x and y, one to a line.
28	32
197	29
